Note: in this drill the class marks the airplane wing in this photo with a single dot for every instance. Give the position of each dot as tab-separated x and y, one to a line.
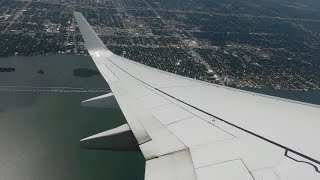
189	129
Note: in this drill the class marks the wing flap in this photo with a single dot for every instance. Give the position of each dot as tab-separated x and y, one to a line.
196	132
175	166
231	170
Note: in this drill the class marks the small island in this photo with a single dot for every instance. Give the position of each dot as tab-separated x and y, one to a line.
40	72
83	72
7	69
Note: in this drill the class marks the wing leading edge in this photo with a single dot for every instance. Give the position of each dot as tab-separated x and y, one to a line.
188	129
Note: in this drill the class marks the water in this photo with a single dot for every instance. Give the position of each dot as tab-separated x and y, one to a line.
58	72
40	128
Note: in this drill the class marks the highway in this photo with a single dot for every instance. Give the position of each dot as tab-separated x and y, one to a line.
36	89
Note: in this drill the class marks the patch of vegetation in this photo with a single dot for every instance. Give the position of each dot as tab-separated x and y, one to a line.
83	72
40	72
7	69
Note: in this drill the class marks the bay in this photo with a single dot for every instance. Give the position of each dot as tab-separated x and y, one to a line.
40	130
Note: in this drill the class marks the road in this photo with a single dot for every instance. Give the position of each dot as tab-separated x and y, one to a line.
35	89
17	16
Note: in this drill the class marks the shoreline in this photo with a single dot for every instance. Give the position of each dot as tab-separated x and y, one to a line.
90	65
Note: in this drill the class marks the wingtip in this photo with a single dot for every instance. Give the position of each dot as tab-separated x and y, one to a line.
76	13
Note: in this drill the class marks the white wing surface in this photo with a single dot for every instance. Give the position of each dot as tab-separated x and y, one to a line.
189	129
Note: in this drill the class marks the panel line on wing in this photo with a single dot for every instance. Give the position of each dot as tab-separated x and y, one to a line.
217	163
179	120
112	72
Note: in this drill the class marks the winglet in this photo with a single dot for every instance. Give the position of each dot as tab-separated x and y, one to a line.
92	42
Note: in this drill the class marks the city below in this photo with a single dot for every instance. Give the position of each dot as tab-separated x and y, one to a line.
259	44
